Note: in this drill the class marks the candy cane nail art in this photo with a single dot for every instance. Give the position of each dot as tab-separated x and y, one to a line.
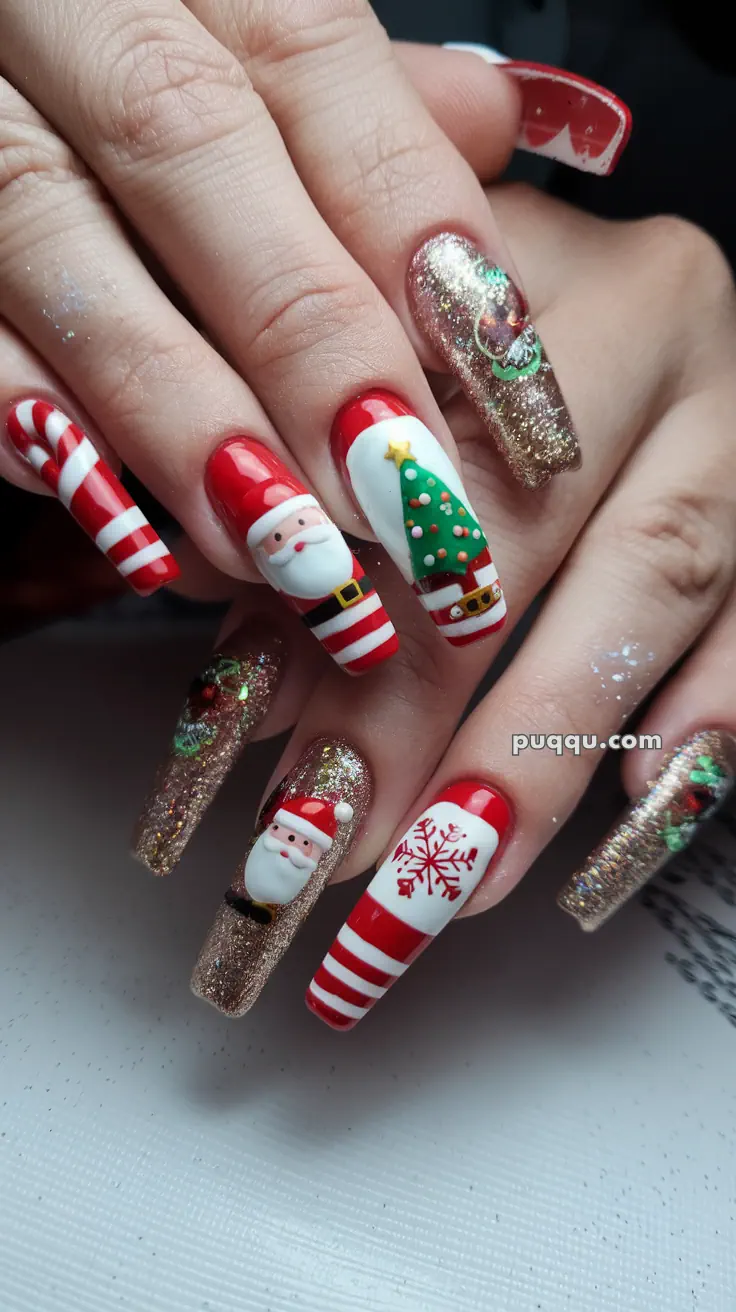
65	459
425	881
300	552
413	498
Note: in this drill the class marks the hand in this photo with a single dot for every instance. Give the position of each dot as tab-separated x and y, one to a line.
640	544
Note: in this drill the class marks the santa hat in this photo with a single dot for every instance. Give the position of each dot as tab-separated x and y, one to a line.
314	818
255	488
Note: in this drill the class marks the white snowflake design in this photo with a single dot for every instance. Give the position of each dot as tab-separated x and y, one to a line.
431	859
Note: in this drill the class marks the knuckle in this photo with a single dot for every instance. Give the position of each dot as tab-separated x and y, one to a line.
542	707
686	253
32	156
301	313
419	669
680	540
392	161
165	94
126	375
284	31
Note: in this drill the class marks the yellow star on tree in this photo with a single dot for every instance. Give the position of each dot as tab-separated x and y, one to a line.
398	452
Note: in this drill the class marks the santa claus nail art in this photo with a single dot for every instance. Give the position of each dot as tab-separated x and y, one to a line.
300	552
304	832
413	498
65	460
225	705
564	116
424	882
477	321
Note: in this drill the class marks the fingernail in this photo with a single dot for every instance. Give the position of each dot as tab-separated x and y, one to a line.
64	458
416	892
564	117
413	498
477	321
691	784
300	552
303	833
225	704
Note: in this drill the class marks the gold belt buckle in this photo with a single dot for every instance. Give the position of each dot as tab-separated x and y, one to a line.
348	594
474	603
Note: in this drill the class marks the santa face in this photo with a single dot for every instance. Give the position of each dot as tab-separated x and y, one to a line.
279	865
306	555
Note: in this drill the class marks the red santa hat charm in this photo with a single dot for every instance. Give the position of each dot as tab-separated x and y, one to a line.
314	818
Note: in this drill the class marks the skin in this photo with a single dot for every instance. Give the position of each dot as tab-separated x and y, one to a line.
289	528
287	836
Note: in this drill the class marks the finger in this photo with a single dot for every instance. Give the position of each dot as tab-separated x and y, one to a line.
564	117
250	685
676	785
84	255
657	561
382	180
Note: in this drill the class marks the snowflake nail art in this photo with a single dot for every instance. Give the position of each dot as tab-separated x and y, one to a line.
427	878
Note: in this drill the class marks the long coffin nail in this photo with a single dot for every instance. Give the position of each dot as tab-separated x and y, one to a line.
416	892
691	784
225	705
66	461
413	498
477	321
300	552
304	832
563	116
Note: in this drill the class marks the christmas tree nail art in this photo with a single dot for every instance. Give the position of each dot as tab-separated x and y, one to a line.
224	706
691	784
413	498
418	889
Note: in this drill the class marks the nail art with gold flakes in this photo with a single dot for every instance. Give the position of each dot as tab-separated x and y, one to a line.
224	706
303	833
692	783
477	321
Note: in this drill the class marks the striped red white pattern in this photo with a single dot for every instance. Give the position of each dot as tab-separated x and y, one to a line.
416	892
361	636
65	459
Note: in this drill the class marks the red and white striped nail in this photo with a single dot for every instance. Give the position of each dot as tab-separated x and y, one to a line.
65	459
413	498
300	552
564	117
418	889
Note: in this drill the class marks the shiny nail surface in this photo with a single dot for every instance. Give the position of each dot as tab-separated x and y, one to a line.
300	552
477	321
564	117
691	784
413	498
64	458
418	889
225	705
303	833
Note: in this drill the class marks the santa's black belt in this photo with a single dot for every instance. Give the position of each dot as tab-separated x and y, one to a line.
342	599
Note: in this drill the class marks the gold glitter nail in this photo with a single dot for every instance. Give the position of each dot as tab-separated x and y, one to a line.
477	321
327	793
691	784
225	704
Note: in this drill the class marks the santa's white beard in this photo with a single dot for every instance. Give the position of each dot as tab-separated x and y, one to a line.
271	877
325	563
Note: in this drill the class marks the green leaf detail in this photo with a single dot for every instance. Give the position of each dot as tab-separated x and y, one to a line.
510	372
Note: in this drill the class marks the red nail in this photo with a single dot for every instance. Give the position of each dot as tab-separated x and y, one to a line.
418	889
413	498
64	458
568	118
267	508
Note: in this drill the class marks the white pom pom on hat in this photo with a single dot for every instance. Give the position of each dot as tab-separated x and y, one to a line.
343	812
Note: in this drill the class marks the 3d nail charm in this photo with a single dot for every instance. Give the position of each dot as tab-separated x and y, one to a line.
478	323
64	459
225	705
692	783
413	498
418	889
304	832
300	552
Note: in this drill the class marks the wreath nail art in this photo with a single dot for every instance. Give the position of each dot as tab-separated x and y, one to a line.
693	781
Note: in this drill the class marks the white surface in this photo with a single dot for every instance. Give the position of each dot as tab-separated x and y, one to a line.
534	1119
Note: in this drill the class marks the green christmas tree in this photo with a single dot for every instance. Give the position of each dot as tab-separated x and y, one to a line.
441	531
